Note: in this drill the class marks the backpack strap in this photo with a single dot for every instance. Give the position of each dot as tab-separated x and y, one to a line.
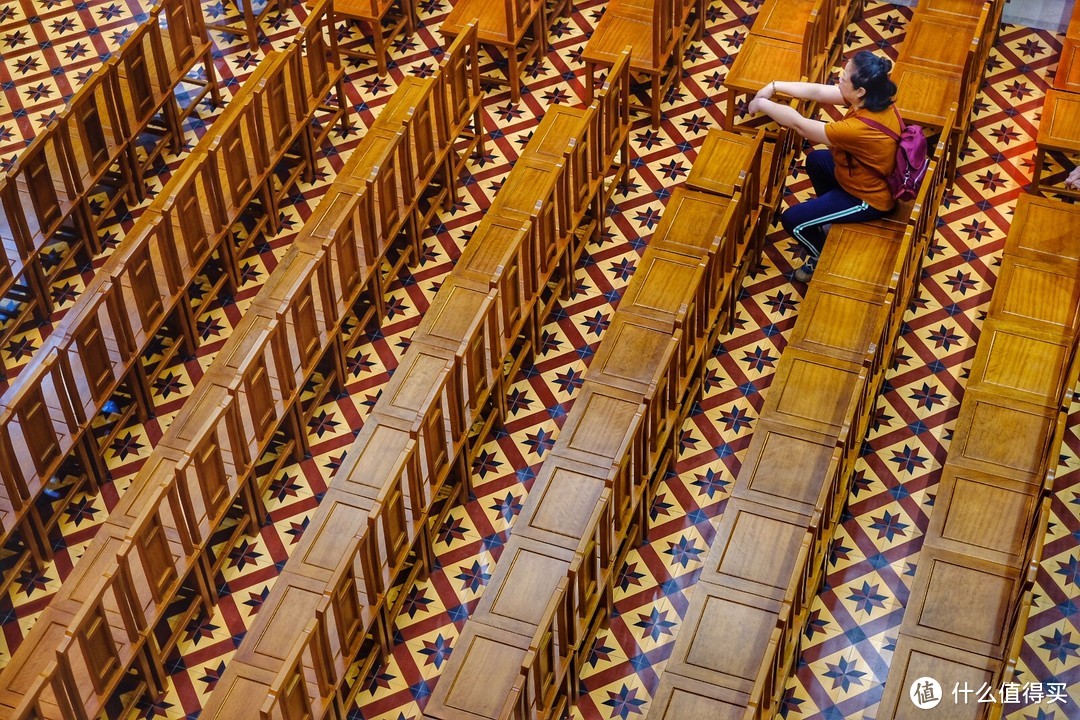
878	126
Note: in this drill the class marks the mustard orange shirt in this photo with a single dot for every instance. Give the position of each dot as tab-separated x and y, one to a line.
864	155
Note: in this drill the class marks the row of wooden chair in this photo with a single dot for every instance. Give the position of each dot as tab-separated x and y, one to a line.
788	40
103	142
657	32
741	632
1059	129
94	364
333	603
520	652
245	419
942	59
992	509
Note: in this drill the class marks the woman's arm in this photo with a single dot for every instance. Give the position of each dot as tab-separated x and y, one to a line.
829	94
812	130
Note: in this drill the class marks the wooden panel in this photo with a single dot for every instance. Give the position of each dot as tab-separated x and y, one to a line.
724	637
914	659
480	674
682	698
785	467
973	620
522	586
812	391
562	501
986	418
1020	361
982	515
755	549
1028	292
1044	229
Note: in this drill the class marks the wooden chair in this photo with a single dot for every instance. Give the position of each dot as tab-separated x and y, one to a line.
322	73
927	92
641	358
751	625
94	133
241	171
504	26
102	640
916	658
463	320
185	43
459	76
485	652
614	100
654	44
983	515
158	556
1032	292
762	58
249	27
372	16
145	93
1044	230
21	276
985	418
682	697
788	467
1058	132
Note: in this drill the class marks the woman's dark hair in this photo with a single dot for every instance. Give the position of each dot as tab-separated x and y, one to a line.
872	73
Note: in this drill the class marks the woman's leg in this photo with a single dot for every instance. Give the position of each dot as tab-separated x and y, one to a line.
821	168
805	222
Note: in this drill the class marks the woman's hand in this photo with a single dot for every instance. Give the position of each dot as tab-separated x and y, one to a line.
1072	182
766	92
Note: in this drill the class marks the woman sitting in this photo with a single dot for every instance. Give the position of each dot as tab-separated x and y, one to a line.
849	177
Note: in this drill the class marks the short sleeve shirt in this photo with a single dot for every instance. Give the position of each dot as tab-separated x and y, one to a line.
864	155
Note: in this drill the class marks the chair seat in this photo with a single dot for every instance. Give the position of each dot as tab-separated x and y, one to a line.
783	20
362	9
1060	128
614	32
938	41
760	61
959	8
491	14
1068	71
924	95
723	157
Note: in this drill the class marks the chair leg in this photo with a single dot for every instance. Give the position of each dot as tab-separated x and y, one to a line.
1040	158
513	74
212	80
729	116
656	100
590	83
378	40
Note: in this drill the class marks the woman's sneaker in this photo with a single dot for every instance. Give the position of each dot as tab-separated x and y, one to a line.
806	272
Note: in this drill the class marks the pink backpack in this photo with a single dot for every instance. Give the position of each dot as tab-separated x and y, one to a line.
911	157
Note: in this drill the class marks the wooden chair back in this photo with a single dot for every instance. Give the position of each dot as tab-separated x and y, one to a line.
92	121
147	558
460	76
663	32
45	170
90	656
35	427
95	353
237	159
321	60
614	99
191	216
208	475
182	22
143	77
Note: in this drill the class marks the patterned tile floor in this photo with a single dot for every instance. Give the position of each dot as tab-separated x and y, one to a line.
48	48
